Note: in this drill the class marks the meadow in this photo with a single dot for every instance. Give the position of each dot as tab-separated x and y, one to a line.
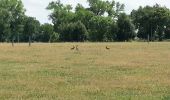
128	71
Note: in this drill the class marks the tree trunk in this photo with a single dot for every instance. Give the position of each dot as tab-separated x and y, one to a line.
29	40
18	38
13	42
148	39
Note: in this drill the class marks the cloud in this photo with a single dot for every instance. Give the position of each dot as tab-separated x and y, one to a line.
36	8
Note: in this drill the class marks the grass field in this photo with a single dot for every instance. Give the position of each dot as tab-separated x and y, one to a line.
128	71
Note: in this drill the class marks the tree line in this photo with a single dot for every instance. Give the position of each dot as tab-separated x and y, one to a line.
101	21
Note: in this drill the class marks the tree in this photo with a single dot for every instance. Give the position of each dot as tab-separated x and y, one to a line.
17	11
4	21
141	19
125	28
73	32
31	29
99	26
11	15
99	7
60	14
83	15
151	21
46	30
99	19
111	34
167	33
102	25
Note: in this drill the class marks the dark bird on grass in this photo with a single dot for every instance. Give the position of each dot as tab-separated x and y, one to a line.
73	48
107	48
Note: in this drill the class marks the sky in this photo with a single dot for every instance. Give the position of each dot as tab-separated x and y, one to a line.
36	8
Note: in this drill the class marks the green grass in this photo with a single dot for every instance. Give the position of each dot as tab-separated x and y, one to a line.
128	71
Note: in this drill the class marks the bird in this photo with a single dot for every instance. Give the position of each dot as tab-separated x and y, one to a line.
77	47
107	48
73	47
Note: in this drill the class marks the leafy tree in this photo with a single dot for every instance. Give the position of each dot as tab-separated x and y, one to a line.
102	26
31	29
151	21
167	34
111	34
83	15
99	19
17	11
11	17
100	7
141	19
4	21
125	28
60	14
46	30
99	26
73	32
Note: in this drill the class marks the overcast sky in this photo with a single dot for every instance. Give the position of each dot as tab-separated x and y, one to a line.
36	8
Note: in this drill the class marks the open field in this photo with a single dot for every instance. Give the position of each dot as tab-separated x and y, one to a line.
128	71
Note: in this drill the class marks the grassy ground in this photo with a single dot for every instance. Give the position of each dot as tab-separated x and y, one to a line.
128	71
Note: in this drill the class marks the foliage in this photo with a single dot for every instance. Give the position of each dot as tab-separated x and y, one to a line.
93	20
99	27
167	33
125	28
151	21
11	17
31	28
101	20
46	31
73	32
54	37
61	14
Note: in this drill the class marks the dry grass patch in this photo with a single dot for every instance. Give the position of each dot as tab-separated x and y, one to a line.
128	71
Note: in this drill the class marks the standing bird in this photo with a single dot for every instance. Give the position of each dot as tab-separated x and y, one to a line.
77	47
107	48
73	47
